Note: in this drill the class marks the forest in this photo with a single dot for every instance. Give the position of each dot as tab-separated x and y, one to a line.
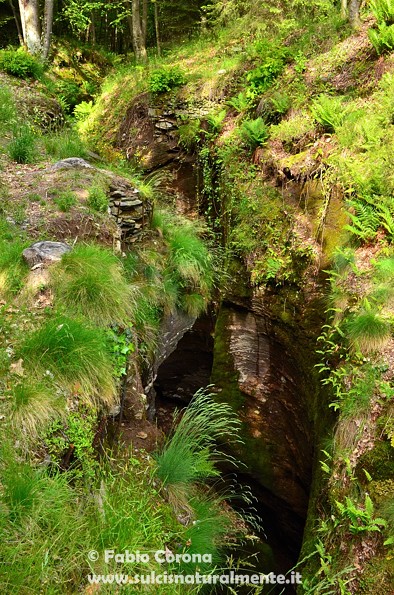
197	297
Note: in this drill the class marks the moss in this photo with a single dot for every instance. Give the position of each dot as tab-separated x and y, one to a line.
379	462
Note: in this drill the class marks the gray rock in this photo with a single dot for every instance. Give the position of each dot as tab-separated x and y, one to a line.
71	162
164	125
45	252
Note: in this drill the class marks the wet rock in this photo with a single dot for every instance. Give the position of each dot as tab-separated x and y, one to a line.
45	252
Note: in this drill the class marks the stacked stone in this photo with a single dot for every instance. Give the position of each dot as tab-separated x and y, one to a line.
132	214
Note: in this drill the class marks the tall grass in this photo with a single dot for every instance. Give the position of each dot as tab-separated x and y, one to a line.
90	281
191	452
48	525
34	405
13	268
75	355
65	144
22	147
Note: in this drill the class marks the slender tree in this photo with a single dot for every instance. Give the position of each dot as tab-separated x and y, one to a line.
30	25
47	28
138	26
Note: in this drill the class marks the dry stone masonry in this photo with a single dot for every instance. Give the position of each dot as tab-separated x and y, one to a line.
132	214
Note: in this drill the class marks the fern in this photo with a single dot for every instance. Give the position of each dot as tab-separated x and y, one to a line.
254	132
329	112
383	11
382	38
365	220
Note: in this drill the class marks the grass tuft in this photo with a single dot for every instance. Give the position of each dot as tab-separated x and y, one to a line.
89	281
34	406
368	330
74	355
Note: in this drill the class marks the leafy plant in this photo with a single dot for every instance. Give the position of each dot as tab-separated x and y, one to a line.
329	112
165	79
75	355
216	120
121	345
20	63
241	103
22	147
254	133
365	219
89	281
383	11
98	199
382	38
361	519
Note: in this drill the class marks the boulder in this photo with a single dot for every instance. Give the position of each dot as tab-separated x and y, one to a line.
45	252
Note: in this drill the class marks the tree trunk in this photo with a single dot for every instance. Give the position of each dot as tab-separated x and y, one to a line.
30	25
354	13
344	9
47	28
157	28
137	32
144	20
17	22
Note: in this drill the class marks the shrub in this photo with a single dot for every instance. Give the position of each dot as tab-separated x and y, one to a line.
65	200
21	64
329	112
254	133
98	199
89	281
368	330
75	355
83	110
22	147
382	38
165	79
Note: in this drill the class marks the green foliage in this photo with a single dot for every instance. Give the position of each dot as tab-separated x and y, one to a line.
7	108
83	110
20	63
329	112
216	120
64	144
189	133
382	38
13	269
241	102
75	355
368	330
22	147
65	200
361	520
189	455
365	220
89	281
271	60
166	79
121	345
34	405
98	199
383	10
254	133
